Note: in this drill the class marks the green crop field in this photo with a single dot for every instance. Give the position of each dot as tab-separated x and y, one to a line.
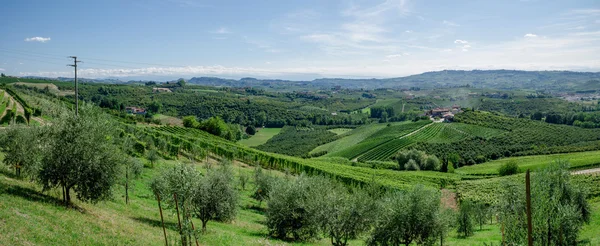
388	149
340	131
577	160
262	136
380	137
351	138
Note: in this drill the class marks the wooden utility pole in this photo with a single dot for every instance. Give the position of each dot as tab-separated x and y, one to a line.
75	61
162	220
528	197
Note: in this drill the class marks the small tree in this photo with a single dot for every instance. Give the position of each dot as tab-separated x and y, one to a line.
445	222
82	155
132	168
152	156
243	180
216	198
465	219
559	208
407	217
508	168
295	209
23	149
346	215
177	187
481	211
263	183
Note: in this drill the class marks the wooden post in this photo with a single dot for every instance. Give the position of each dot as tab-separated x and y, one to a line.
162	220
179	220
194	228
528	197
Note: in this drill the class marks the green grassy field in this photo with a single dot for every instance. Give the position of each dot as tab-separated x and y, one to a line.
353	137
577	160
262	136
340	131
165	119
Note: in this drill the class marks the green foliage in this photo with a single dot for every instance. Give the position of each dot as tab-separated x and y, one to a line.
190	121
559	208
508	168
23	149
297	141
264	184
251	130
294	208
81	155
521	137
465	219
407	217
215	198
346	215
416	160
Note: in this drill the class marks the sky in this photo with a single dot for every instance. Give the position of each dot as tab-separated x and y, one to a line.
168	39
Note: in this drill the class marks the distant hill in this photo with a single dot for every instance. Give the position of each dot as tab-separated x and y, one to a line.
494	79
498	79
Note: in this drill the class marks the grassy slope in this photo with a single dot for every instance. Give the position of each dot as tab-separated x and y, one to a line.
340	131
36	218
261	137
353	137
577	160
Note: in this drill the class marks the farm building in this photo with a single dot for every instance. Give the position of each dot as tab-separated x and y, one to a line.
135	110
444	112
156	89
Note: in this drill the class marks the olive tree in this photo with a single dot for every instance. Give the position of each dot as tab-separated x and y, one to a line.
216	197
177	187
465	219
346	215
132	168
82	155
407	217
263	184
295	208
559	208
23	149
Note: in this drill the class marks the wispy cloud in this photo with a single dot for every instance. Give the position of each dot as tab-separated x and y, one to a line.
222	30
449	23
37	39
530	35
458	41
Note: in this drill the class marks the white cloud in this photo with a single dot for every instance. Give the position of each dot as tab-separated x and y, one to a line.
268	63
408	31
530	35
458	41
2	69
449	23
37	39
222	30
397	55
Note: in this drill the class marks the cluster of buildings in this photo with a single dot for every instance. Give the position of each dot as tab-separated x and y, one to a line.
444	113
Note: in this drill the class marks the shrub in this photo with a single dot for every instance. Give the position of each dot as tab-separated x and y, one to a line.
251	130
508	168
411	165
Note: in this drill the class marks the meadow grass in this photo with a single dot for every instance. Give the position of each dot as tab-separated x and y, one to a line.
576	159
29	216
262	136
340	131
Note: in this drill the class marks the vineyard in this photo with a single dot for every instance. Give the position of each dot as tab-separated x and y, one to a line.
387	150
173	141
381	137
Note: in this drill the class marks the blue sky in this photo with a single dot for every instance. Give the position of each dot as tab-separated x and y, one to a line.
295	39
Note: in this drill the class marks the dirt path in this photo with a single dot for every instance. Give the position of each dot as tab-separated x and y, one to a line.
587	171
